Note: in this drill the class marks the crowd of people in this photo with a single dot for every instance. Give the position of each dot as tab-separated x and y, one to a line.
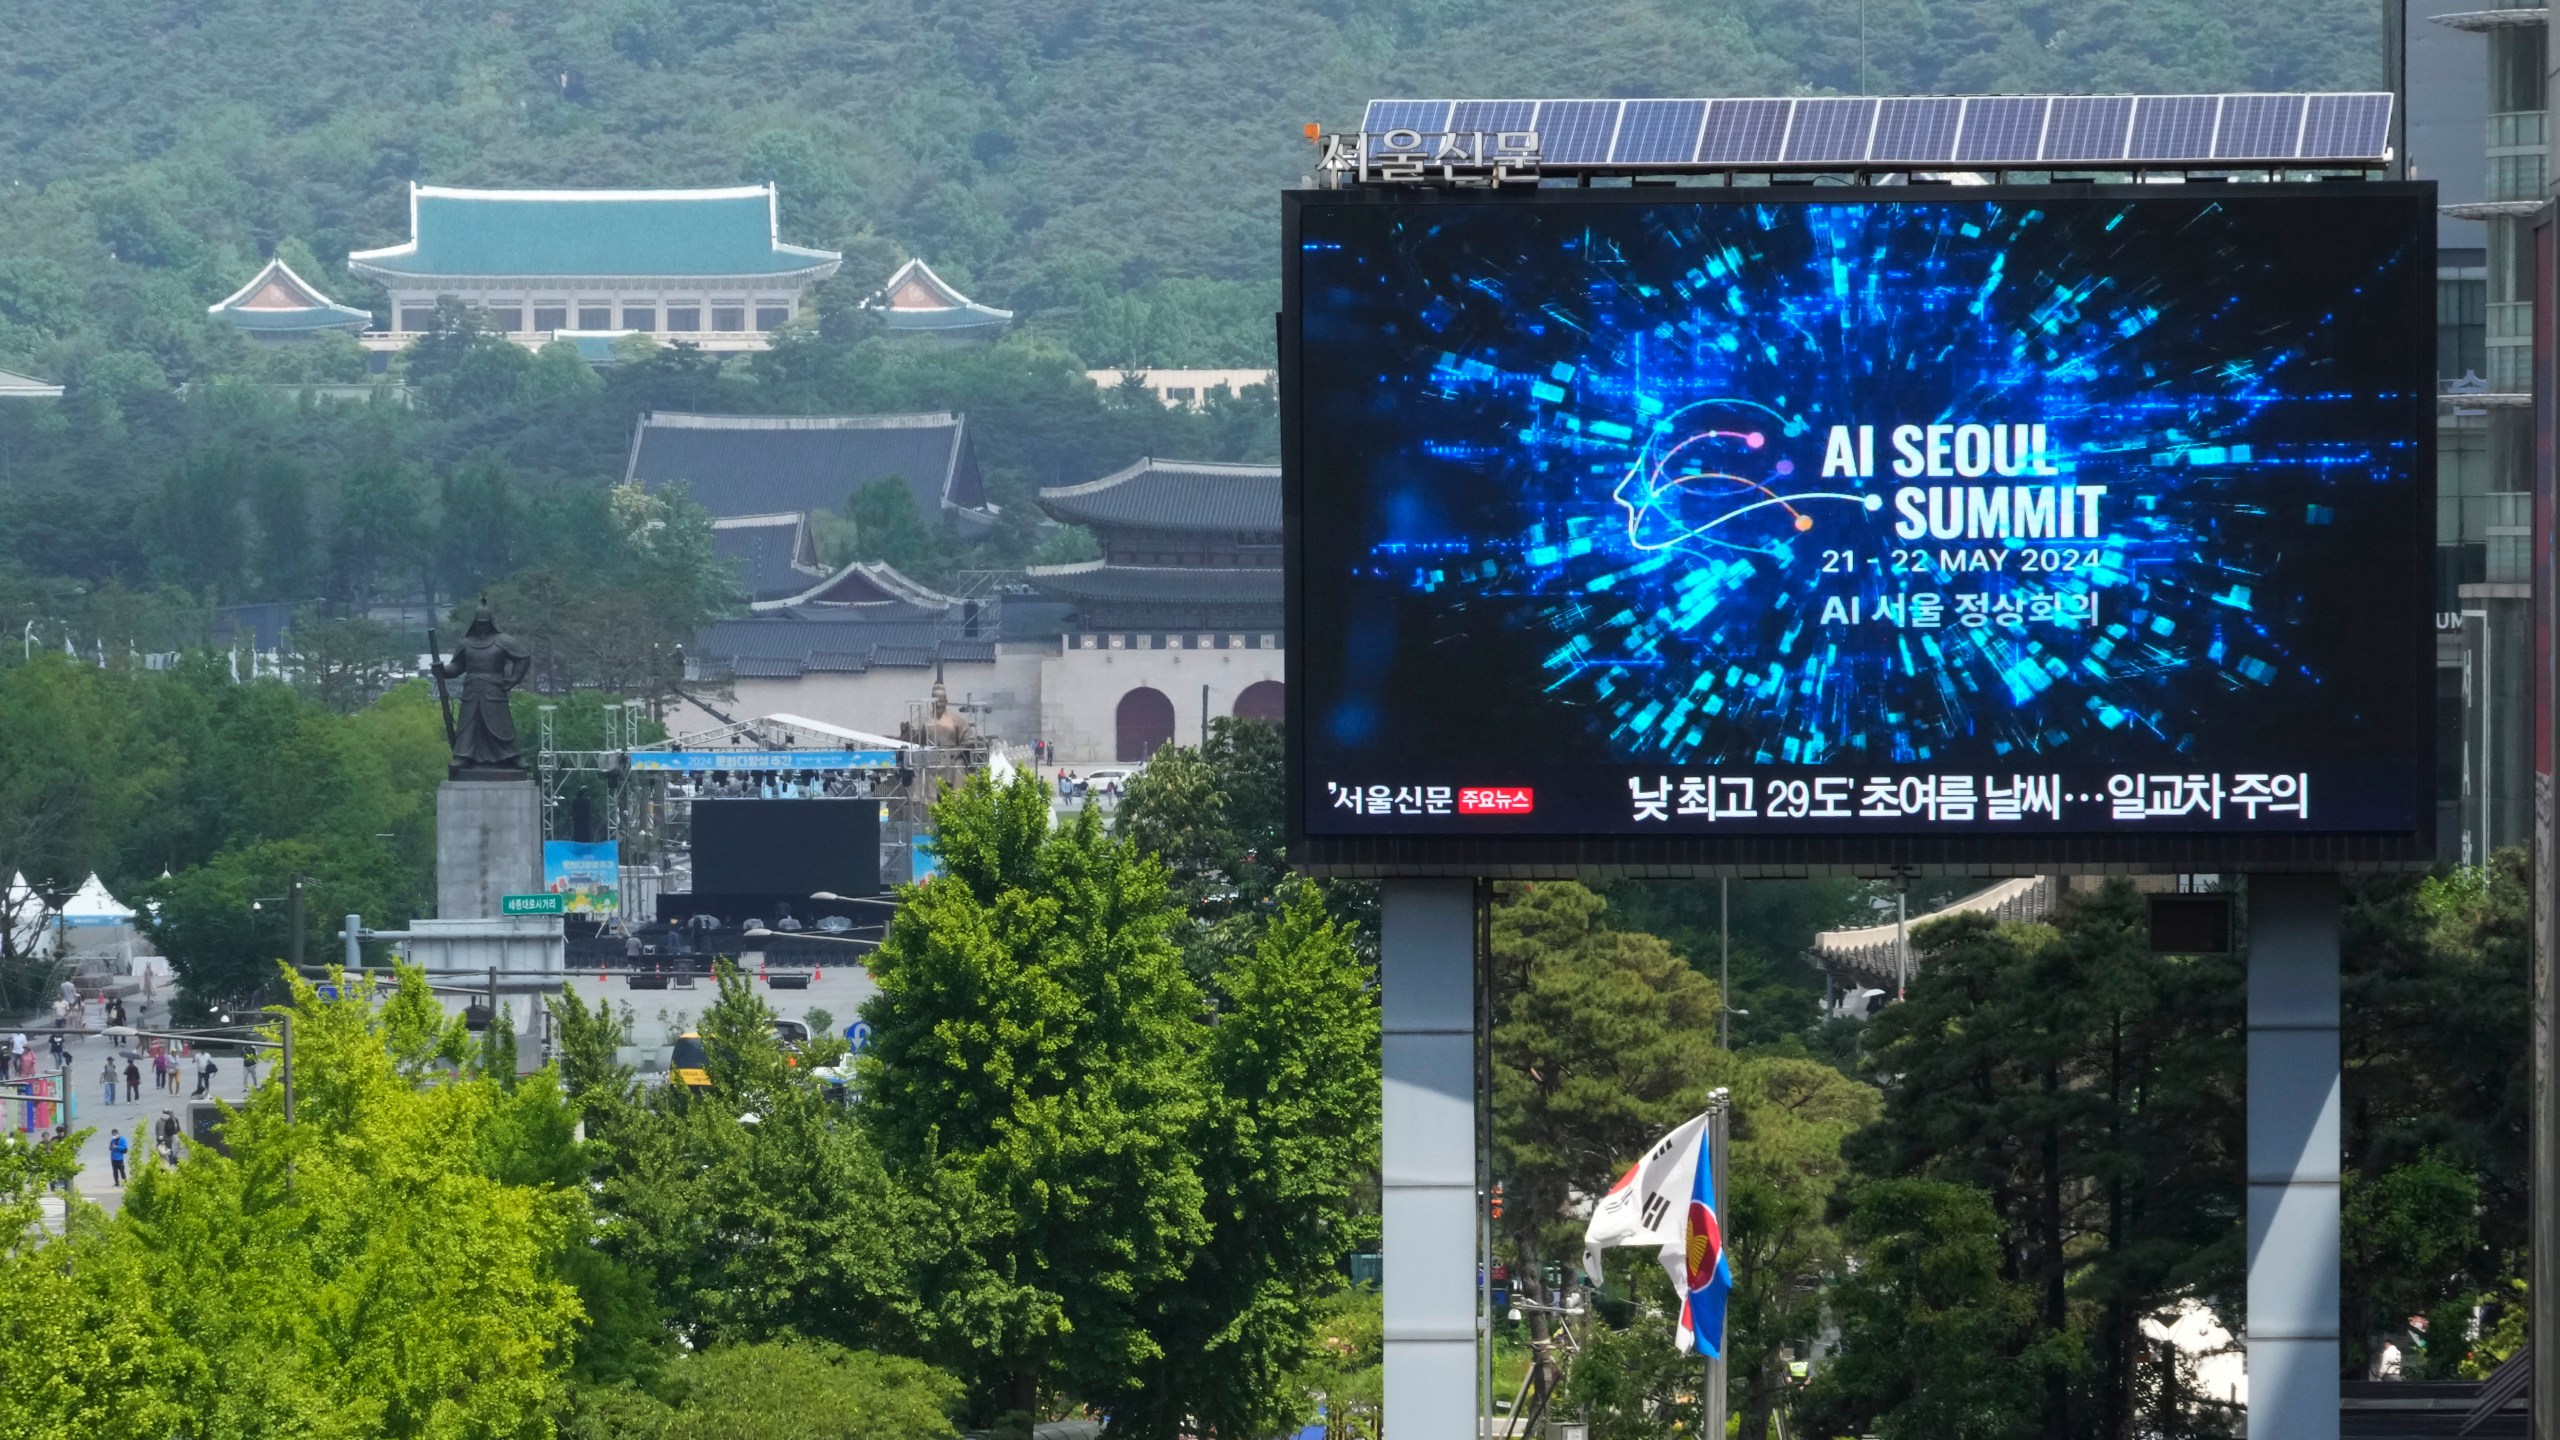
784	785
38	1077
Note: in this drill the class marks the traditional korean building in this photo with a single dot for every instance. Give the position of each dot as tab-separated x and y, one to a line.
705	266
774	555
916	301
764	465
1180	620
858	647
278	307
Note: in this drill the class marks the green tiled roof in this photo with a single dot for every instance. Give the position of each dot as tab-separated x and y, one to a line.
591	232
333	317
278	302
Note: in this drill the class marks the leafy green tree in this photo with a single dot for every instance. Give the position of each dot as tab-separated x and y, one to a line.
755	1209
286	550
1790	1119
803	1390
482	514
1289	1140
383	524
2089	1089
2436	1075
384	1266
888	528
1036	1075
1936	1342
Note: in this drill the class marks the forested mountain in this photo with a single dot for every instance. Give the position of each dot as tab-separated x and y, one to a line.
1105	167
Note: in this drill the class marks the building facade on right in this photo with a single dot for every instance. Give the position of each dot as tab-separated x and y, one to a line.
2475	88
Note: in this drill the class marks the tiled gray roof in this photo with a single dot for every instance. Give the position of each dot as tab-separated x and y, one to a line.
1193	495
1169	585
766	556
761	464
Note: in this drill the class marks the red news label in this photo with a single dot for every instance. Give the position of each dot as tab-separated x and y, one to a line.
1496	800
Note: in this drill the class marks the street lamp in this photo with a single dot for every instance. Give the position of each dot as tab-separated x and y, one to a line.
833	898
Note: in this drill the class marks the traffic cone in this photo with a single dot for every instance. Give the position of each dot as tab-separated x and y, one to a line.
817	973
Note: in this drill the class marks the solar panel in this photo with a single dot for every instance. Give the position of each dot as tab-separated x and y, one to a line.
2096	132
1916	129
2343	126
2259	127
2002	128
1576	132
2171	127
1492	115
1744	132
1830	130
1659	132
2086	128
1427	116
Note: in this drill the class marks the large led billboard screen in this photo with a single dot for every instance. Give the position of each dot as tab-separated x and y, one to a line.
1984	516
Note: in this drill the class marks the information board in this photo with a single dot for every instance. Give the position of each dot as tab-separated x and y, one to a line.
1977	516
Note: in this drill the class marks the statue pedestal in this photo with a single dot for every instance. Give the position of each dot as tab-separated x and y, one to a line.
488	845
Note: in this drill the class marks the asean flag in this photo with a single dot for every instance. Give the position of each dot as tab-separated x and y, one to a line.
1693	1256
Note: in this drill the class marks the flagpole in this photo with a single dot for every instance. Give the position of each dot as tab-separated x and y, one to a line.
1711	1401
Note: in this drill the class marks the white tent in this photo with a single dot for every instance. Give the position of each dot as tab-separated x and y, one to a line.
92	905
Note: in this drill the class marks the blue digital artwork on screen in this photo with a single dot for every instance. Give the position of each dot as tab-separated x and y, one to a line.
2116	508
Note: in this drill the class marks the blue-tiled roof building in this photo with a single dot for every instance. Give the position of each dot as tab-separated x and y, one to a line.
280	307
709	266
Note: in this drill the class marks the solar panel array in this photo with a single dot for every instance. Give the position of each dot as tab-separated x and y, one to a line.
2076	131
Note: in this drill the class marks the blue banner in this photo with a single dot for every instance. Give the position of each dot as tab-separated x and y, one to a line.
701	760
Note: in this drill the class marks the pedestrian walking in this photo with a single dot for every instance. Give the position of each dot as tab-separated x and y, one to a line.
167	1135
61	1136
204	1078
159	1067
70	998
116	1148
248	1071
110	1078
132	1081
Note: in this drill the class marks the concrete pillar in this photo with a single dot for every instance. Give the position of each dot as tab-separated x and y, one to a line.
1427	1163
2293	1107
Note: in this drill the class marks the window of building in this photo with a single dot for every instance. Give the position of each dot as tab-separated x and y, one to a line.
2516	67
684	318
2462	321
550	317
506	320
728	319
772	317
595	317
643	318
418	319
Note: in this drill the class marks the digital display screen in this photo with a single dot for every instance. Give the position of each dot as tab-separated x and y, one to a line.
1987	512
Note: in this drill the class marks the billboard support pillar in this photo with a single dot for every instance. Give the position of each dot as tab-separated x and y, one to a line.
2293	1164
1427	1159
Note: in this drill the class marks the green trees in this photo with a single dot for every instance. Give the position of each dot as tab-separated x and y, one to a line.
1141	1206
1035	1073
1938	1338
386	1266
2087	1090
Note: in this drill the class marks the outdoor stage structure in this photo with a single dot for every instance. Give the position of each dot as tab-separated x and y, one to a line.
1974	510
640	795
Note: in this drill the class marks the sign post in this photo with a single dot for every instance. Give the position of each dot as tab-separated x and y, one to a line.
533	905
